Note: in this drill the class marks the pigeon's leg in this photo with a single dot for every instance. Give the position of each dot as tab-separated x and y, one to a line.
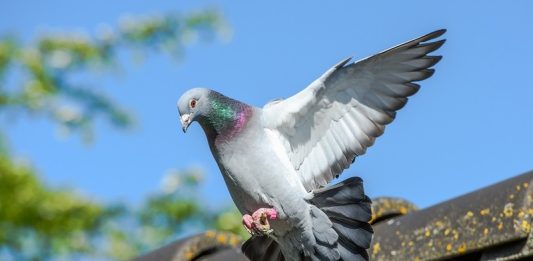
248	223
260	218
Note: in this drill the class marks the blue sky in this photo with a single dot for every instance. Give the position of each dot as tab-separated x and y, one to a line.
469	126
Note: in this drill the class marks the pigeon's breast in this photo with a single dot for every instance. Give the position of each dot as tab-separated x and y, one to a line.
253	172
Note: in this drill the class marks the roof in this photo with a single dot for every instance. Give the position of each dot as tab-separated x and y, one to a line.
210	245
492	223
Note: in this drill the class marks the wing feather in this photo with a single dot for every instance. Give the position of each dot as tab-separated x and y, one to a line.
338	116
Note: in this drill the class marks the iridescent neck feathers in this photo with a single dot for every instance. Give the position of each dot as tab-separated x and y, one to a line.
226	117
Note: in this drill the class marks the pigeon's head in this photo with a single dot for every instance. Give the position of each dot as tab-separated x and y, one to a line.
192	105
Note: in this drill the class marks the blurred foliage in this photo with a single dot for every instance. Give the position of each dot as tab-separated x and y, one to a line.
50	67
39	222
33	217
176	210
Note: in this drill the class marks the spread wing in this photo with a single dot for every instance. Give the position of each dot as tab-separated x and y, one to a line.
325	126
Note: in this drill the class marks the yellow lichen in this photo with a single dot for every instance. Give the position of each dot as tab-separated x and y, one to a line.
526	226
449	247
233	240
461	248
508	210
189	255
221	238
376	249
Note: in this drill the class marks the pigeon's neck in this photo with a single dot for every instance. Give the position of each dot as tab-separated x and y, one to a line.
227	117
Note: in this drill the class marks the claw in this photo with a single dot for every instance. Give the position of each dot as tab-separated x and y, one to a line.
248	223
258	222
261	219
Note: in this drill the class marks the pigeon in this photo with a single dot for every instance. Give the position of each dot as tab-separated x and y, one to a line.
277	160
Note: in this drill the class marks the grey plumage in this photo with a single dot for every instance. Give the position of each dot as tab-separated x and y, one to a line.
283	155
262	248
348	209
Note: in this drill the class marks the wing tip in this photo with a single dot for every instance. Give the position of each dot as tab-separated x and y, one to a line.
436	33
425	38
429	72
342	63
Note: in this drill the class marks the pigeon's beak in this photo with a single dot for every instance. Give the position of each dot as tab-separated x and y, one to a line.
185	121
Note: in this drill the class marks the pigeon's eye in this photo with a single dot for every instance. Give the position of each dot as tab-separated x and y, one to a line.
192	103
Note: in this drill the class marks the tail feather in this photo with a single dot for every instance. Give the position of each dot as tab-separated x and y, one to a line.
274	252
358	234
324	252
352	254
360	211
340	216
262	248
349	191
348	209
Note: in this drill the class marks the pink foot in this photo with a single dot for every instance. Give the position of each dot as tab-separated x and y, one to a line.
248	223
261	218
257	223
268	213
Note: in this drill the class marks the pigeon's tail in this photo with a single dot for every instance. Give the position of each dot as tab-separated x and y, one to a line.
339	215
262	248
349	211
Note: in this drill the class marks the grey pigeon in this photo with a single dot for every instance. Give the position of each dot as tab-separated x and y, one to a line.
277	160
